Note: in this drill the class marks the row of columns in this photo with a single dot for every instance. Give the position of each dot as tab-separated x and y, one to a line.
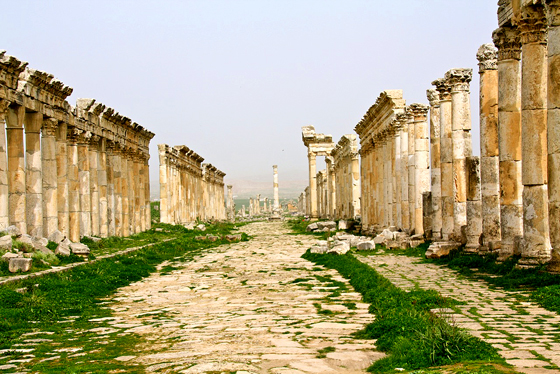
189	189
346	178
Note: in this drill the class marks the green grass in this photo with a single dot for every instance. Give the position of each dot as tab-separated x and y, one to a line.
413	337
299	226
63	303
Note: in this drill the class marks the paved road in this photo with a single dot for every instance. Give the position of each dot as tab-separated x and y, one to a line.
527	335
236	309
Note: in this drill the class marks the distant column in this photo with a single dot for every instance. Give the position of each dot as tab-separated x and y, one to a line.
313	184
50	201
62	179
230	212
411	172
275	185
405	204
102	179
111	198
435	152
33	174
474	204
93	149
421	162
509	137
489	147
16	167
125	182
4	217
147	209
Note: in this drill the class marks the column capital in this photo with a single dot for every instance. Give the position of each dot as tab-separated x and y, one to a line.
311	155
552	12
418	111
4	104
433	97
487	56
508	42
84	138
49	127
533	24
443	88
73	134
459	79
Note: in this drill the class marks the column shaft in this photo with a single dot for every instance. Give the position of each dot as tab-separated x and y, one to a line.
313	184
73	186
94	185
62	179
84	185
435	155
50	198
4	216
16	167
103	192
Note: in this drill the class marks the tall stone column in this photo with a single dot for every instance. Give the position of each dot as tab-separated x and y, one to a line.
435	155
16	167
33	174
405	204
275	186
459	80
124	193
62	179
397	178
487	56
474	205
230	212
118	183
111	191
553	92
536	240
356	185
313	184
102	180
147	210
138	194
163	182
4	217
421	162
446	152
73	185
93	154
84	184
508	43
411	172
50	198
331	187
258	206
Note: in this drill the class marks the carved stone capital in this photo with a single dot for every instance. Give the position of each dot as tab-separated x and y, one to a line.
73	134
459	79
443	88
487	56
433	96
49	127
418	111
4	104
508	42
533	24
552	12
84	138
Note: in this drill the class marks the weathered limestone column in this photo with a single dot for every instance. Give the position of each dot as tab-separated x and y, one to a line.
553	92
405	208
251	207
16	167
62	179
163	181
313	184
536	240
147	209
331	187
487	56
94	183
124	193
258	203
421	162
356	185
102	180
230	212
33	174
397	177
73	185
275	185
50	201
138	193
411	172
111	198
459	80
435	153
4	217
446	151
474	204
84	184
117	175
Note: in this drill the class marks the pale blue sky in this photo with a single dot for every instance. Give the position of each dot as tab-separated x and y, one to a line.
236	80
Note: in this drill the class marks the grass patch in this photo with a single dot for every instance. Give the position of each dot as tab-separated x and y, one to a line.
322	353
299	226
413	337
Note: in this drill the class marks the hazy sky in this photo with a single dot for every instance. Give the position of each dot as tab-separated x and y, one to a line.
235	80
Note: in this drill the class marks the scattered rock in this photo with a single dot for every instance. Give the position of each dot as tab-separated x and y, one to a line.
19	264
13	231
339	248
43	249
56	237
6	257
366	246
379	239
6	242
66	241
388	234
312	227
441	249
40	241
189	226
212	238
320	247
63	249
79	249
326	225
343	225
158	229
93	238
200	237
26	239
233	238
201	227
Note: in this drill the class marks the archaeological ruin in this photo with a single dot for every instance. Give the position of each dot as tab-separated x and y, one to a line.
80	170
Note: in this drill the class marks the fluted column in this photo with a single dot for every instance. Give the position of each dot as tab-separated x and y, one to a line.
508	43
103	193
4	216
49	185
93	149
459	80
536	240
16	167
553	92
163	182
142	187
84	184
487	56
421	162
118	182
62	179
356	185
397	177
125	182
435	161
73	185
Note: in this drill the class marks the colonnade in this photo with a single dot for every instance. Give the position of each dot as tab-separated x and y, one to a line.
82	171
189	189
346	179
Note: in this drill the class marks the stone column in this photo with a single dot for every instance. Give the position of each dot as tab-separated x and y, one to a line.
435	155
405	204
411	172
16	167
313	184
147	209
62	179
275	185
4	216
118	183
459	80
421	162
446	152
553	92
474	205
33	174
50	201
84	184
138	194
94	183
111	198
536	240
163	181
124	193
487	56
230	212
257	206
508	43
102	180
73	185
356	185
331	187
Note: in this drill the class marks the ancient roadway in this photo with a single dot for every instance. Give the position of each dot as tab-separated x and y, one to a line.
238	309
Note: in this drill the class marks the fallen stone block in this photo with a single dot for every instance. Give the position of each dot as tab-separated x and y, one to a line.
13	231
56	237
233	238
339	248
200	237
201	227
26	239
6	256
93	238
343	224
326	225
79	249
441	249
19	264
312	227
189	226
6	242
379	239
212	238
43	249
319	249
388	234
366	246
63	249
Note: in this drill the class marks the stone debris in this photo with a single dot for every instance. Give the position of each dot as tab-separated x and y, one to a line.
201	227
19	264
441	249
6	242
79	249
63	249
56	237
13	231
366	246
7	256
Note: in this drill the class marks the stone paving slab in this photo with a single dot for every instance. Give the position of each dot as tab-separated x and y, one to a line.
525	334
238	309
